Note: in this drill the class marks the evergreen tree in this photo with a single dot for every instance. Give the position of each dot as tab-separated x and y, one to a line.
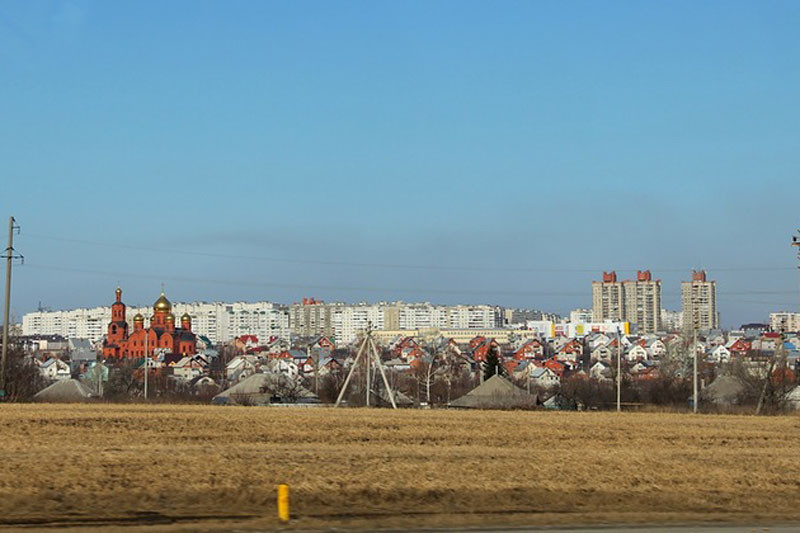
493	365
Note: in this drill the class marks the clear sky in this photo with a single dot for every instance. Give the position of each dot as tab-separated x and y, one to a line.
455	152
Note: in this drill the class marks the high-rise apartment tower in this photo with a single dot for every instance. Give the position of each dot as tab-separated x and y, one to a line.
699	299
637	301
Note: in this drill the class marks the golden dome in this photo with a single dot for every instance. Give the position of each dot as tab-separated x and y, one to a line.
162	304
186	318
138	318
170	318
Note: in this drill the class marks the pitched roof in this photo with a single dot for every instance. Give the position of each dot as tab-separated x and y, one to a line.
64	391
256	388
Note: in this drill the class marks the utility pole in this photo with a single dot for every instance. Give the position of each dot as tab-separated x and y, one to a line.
369	384
428	377
370	351
619	369
146	358
796	242
9	260
315	358
695	318
694	359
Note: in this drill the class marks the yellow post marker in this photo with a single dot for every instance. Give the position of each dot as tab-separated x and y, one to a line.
283	503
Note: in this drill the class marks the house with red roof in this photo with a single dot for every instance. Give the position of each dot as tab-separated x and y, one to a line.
532	349
556	366
481	351
740	347
571	351
476	341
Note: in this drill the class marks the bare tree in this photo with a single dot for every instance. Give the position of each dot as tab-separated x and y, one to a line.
23	378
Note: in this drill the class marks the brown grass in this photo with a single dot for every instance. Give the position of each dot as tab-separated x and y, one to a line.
357	467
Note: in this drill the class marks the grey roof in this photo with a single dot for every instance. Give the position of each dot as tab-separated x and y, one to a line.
259	388
495	393
80	344
522	366
327	360
539	372
400	399
724	390
65	391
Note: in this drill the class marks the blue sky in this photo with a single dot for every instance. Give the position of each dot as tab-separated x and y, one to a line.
507	151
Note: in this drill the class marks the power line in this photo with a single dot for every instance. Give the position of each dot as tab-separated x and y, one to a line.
352	264
303	286
347	288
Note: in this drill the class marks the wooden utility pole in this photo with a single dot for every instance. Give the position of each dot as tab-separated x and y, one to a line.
146	358
694	373
796	242
7	307
619	369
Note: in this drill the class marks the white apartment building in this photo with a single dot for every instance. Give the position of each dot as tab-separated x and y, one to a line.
218	321
643	302
473	317
221	322
671	320
608	298
636	301
77	323
346	321
580	315
350	320
784	322
699	299
312	318
399	315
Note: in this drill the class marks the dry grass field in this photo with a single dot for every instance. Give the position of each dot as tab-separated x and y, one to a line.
219	466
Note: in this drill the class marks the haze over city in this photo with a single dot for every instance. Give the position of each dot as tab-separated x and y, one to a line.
454	152
400	265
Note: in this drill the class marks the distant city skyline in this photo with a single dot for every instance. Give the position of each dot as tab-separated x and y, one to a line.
455	152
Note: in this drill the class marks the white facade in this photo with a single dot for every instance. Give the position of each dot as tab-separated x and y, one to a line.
637	301
784	322
671	320
580	315
346	321
220	322
54	369
548	329
471	317
699	299
77	323
425	315
350	320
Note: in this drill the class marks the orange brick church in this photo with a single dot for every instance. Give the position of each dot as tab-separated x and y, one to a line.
162	335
